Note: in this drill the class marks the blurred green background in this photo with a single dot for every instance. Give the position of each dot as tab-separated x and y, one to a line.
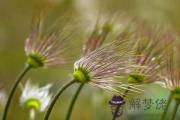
15	23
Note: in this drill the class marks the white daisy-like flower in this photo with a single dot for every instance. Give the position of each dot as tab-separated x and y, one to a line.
34	97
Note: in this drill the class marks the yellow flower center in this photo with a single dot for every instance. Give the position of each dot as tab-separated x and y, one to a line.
81	76
35	61
176	93
136	78
33	103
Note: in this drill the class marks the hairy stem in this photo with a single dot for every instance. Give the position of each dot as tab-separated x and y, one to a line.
175	110
68	116
12	91
56	97
167	106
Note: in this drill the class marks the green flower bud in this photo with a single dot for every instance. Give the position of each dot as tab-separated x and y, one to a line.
81	76
136	78
176	94
35	61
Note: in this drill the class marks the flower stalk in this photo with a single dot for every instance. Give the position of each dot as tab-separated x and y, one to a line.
68	116
13	89
32	114
118	107
56	97
175	110
167	106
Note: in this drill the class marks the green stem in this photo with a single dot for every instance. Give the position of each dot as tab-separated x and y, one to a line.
18	80
68	116
167	106
32	114
175	110
118	107
116	111
57	95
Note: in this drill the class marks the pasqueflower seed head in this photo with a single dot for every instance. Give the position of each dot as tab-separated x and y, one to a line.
150	50
100	67
171	75
47	49
97	38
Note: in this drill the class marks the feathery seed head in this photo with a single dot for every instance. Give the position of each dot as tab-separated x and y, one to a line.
97	38
172	82
172	76
47	49
100	67
151	51
171	73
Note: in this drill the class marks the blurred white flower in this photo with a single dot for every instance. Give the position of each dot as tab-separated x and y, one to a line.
3	97
35	97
